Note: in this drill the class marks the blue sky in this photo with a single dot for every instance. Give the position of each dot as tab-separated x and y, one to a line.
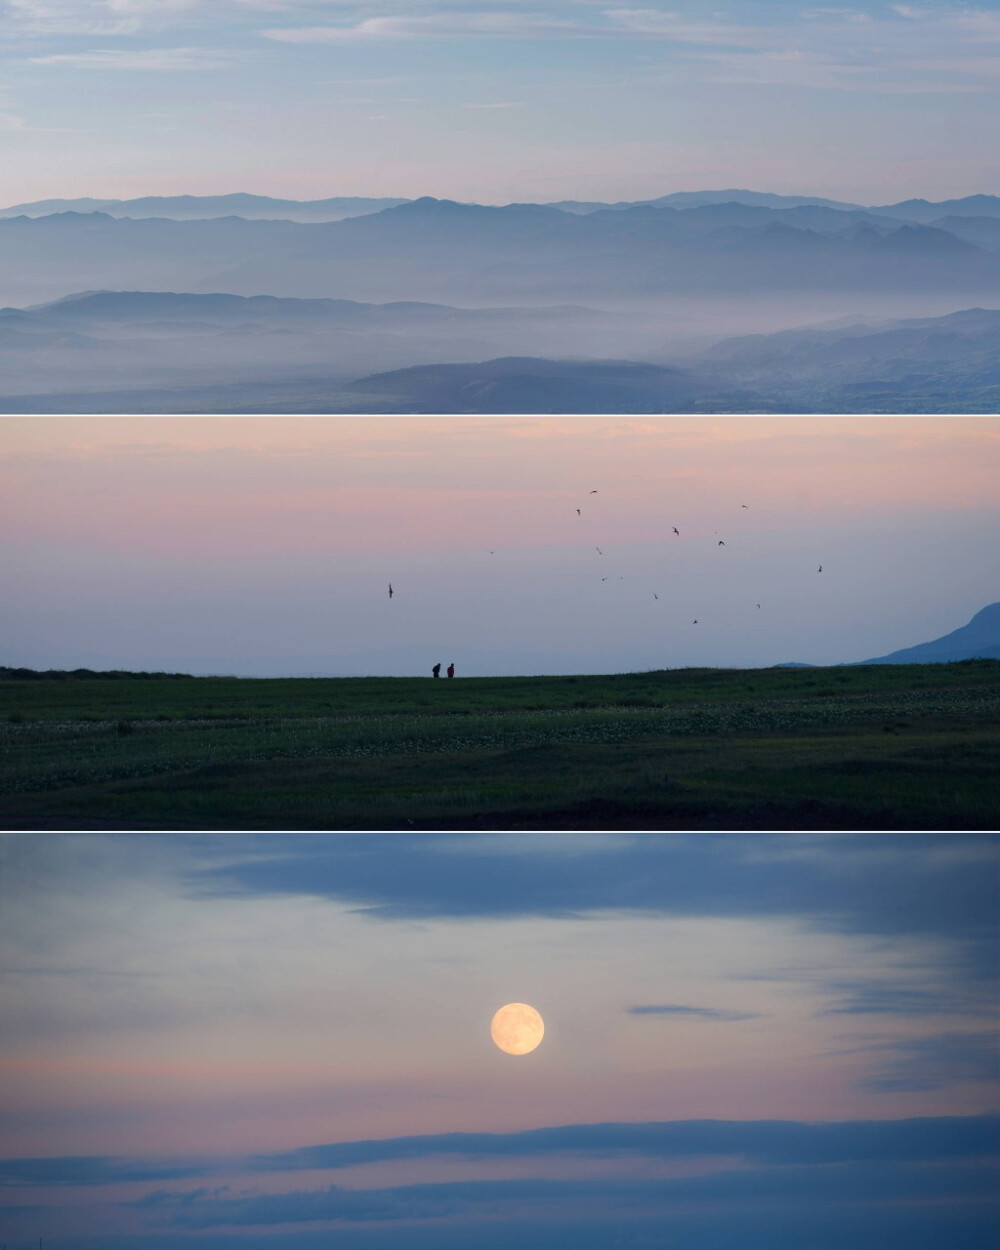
524	99
213	1042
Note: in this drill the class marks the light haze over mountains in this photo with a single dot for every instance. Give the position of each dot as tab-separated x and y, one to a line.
163	304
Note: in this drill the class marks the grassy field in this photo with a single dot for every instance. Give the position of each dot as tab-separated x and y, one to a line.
874	747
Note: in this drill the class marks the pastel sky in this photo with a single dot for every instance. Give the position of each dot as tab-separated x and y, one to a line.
265	545
498	100
763	1041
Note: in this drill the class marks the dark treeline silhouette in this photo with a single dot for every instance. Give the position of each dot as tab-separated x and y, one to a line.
78	674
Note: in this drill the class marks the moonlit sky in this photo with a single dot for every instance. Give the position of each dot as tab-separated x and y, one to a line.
263	546
225	1041
498	100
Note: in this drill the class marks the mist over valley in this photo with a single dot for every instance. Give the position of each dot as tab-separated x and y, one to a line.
296	306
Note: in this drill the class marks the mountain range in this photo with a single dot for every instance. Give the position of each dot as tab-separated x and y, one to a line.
722	301
265	207
980	639
194	207
148	351
933	364
164	351
440	250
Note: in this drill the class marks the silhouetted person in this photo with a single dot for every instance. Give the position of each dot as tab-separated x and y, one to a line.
436	670
451	669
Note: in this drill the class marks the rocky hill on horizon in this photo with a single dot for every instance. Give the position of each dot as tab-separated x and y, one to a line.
978	640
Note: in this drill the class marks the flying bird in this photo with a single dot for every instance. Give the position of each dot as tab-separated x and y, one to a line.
655	595
604	579
695	621
820	569
677	531
744	505
578	512
721	543
592	492
758	605
390	590
599	551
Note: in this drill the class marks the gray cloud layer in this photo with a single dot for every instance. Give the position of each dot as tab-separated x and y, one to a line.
768	1143
929	885
792	1185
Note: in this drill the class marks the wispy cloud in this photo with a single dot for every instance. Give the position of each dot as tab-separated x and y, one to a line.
704	1013
935	1061
655	23
65	17
449	24
154	59
904	50
880	998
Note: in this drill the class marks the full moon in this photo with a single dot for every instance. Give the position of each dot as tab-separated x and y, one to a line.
517	1028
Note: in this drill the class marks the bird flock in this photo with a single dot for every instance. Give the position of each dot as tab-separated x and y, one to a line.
676	532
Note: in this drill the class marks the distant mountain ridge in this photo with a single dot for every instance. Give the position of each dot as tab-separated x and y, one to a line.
527	384
196	207
135	307
442	251
698	199
979	640
338	208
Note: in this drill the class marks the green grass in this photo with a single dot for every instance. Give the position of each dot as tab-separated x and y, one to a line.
888	747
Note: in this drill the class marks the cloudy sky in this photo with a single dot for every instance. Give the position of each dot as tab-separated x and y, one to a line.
498	100
213	1042
265	545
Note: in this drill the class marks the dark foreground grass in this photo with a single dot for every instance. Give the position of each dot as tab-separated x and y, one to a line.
876	747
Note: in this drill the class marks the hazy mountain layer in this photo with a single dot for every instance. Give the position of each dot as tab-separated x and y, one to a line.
193	207
928	210
163	352
454	253
980	639
107	351
940	364
532	385
188	207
